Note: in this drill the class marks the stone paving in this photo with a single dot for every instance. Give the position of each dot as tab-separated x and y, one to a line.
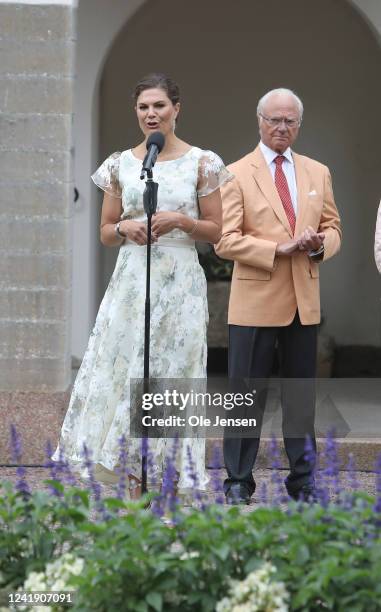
36	476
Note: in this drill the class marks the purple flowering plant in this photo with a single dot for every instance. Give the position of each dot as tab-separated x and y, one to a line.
328	554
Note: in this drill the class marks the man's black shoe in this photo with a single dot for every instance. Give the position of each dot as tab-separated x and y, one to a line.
306	493
237	494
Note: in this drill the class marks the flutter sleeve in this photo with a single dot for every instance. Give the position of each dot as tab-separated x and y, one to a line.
107	176
212	173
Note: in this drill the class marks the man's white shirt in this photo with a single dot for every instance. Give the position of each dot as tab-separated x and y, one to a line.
288	168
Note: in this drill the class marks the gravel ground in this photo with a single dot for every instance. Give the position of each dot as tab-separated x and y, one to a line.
36	476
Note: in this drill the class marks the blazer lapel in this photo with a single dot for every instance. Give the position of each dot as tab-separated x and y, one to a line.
263	178
303	186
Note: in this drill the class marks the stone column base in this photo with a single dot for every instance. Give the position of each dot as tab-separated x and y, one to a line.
37	417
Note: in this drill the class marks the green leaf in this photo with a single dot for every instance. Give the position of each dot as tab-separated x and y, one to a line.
253	564
56	485
302	554
223	551
155	600
114	502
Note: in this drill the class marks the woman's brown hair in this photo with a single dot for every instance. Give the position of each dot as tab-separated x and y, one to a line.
158	80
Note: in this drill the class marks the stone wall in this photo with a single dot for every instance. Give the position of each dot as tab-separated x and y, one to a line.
37	46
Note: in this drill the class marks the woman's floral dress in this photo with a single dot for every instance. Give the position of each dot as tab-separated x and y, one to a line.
99	409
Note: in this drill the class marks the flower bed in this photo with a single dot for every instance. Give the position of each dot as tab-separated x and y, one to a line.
115	555
326	558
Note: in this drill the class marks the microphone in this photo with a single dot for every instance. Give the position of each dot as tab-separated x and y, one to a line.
155	143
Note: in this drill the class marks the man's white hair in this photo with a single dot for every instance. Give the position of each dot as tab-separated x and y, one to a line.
279	92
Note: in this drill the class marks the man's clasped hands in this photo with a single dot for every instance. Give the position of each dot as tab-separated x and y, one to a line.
308	241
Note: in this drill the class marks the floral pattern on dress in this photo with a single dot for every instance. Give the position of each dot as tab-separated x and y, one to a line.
99	409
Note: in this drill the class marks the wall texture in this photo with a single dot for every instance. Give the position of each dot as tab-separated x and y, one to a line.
37	44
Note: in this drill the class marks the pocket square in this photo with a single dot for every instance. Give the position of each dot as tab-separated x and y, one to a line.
312	193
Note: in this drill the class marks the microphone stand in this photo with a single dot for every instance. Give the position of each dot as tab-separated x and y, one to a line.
150	205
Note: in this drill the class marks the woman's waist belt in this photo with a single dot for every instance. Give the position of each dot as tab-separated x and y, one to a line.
166	242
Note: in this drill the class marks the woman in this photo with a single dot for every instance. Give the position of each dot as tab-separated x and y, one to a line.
189	209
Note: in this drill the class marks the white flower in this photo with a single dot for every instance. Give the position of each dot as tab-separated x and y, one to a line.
35	582
77	567
224	605
191	555
55	578
257	593
58	585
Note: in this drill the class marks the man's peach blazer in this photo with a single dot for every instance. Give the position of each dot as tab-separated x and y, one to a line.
267	290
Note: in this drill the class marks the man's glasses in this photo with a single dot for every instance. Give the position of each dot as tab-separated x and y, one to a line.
277	121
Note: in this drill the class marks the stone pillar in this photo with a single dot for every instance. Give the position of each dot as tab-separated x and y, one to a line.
37	43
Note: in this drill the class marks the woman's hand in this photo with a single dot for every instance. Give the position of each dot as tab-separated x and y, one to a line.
136	231
164	222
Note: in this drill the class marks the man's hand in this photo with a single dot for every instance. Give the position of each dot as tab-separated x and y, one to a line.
286	249
310	240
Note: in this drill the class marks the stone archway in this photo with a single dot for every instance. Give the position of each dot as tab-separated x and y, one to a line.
221	83
370	11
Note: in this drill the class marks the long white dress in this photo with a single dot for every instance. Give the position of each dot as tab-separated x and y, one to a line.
98	413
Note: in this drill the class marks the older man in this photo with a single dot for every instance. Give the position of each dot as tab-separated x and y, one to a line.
279	222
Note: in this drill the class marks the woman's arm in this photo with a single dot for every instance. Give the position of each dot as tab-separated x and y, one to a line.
111	213
206	229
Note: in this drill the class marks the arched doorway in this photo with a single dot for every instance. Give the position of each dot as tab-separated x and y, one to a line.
225	56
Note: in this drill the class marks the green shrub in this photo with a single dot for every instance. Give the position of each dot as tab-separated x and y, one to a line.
327	558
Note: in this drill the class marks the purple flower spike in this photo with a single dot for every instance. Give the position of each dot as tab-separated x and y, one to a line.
21	483
16	454
64	467
122	470
377	507
263	495
331	471
54	469
94	485
16	448
323	491
167	497
216	481
158	505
